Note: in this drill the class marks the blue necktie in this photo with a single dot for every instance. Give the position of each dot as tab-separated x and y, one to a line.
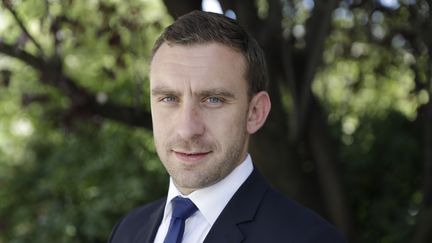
182	208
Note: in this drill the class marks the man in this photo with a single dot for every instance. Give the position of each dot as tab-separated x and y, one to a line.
208	81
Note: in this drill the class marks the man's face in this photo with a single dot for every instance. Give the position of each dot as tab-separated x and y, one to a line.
199	104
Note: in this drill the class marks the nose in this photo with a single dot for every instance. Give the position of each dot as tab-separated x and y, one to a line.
190	123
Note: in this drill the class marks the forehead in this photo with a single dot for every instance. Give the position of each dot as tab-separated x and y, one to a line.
205	63
198	56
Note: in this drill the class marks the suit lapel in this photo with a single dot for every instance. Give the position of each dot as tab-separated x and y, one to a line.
149	229
240	209
227	234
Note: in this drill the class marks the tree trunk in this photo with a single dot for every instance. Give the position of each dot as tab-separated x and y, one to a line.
324	150
423	232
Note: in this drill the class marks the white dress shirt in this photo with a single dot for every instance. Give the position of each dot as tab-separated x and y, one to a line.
210	202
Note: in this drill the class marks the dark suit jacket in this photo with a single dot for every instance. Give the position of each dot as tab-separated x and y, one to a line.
255	214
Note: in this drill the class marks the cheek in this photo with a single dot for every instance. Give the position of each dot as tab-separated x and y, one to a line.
227	125
160	127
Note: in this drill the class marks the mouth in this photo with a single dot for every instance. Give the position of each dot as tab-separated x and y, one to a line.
191	157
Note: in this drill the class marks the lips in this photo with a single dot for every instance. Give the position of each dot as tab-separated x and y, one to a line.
191	157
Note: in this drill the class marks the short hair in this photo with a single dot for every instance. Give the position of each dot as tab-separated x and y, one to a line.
198	27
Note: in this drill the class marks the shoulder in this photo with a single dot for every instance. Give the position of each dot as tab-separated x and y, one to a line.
286	218
130	225
274	217
280	207
144	211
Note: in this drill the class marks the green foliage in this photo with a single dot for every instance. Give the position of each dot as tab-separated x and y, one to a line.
384	172
68	182
65	176
71	187
371	97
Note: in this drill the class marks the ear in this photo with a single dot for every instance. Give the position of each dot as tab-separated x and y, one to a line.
259	108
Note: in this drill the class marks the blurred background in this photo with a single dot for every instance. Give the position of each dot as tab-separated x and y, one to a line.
349	135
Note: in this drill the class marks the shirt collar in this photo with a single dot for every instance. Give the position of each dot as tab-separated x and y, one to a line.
211	200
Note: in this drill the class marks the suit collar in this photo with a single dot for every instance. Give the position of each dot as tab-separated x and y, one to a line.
241	209
149	229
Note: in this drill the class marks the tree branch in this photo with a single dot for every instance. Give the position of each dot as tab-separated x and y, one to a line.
127	115
9	7
88	102
51	74
26	57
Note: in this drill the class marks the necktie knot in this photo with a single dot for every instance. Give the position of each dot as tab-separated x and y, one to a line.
183	208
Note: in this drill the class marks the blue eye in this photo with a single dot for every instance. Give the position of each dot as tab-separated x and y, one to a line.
214	100
169	99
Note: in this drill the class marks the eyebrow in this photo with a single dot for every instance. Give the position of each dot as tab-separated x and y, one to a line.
217	92
163	90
